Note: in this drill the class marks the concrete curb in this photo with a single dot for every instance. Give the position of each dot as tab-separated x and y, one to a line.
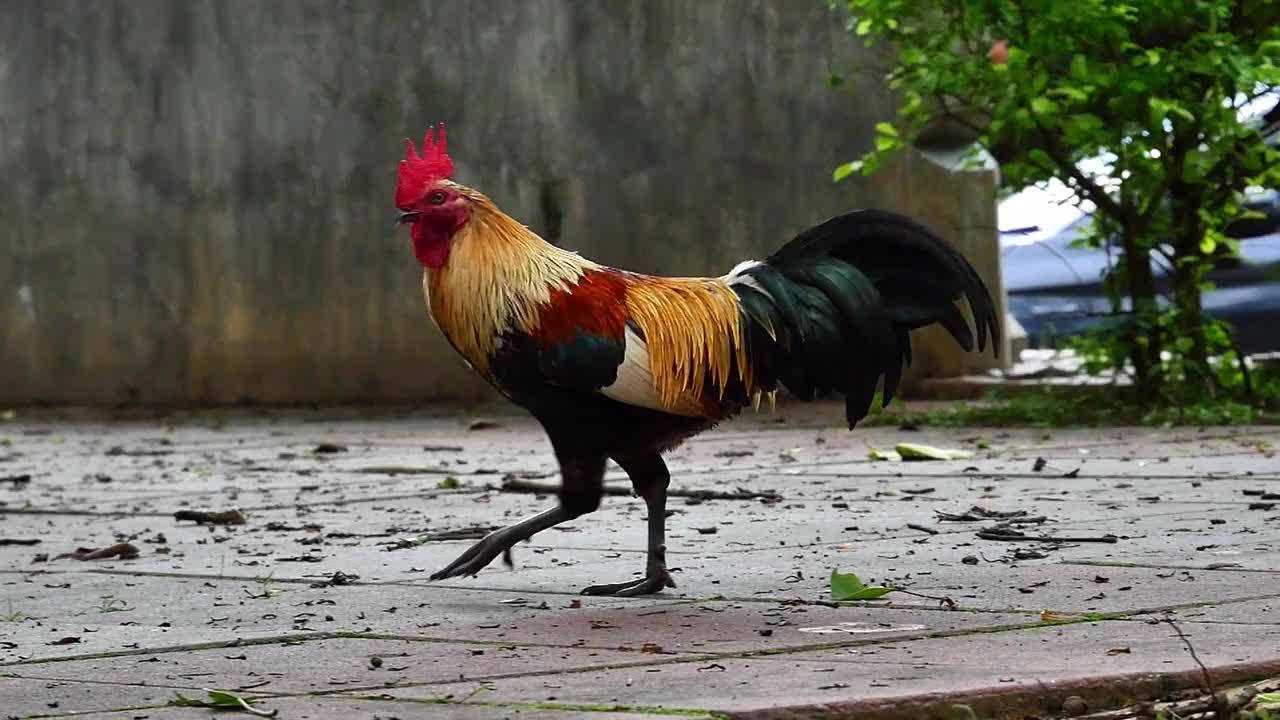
1099	693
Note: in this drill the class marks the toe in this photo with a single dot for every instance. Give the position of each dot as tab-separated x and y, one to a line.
644	586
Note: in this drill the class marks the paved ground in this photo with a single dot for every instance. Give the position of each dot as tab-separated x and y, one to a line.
252	608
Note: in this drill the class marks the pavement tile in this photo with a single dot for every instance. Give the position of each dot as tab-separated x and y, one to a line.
1206	540
22	697
929	565
1242	556
987	660
164	612
293	551
341	707
110	613
723	627
326	495
1079	589
1252	612
1232	464
1092	648
330	664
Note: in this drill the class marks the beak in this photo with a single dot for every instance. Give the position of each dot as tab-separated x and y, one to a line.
406	216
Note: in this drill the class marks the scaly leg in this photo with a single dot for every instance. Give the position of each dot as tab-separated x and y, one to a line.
581	489
650	478
501	541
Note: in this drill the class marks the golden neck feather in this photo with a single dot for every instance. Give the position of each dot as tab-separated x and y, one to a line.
499	274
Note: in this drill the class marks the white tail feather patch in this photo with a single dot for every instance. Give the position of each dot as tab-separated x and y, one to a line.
737	276
739	269
635	385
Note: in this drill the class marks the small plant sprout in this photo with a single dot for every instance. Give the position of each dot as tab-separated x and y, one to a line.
266	587
14	616
111	603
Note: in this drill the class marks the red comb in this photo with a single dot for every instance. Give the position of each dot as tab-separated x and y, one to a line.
415	171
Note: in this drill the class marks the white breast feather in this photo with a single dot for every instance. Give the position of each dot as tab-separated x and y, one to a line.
634	385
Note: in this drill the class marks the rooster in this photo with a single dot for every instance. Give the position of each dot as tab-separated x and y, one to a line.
624	366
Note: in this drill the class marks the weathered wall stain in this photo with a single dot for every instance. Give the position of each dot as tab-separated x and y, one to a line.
196	194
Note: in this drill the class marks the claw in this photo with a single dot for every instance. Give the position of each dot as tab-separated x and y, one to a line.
646	585
475	558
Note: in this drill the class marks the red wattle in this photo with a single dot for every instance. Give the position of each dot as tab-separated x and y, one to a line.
430	244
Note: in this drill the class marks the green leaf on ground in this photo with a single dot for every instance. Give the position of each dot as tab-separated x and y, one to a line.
913	451
877	454
848	586
219	700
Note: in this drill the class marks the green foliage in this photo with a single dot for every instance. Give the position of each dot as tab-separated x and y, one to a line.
219	700
1236	397
848	586
1134	105
1099	406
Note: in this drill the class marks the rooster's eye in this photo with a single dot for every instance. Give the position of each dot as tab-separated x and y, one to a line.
437	197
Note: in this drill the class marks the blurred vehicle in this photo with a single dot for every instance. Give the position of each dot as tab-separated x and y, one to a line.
1055	287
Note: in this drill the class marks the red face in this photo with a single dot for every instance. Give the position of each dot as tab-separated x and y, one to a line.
438	213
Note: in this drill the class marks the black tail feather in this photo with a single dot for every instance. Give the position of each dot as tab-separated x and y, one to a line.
833	308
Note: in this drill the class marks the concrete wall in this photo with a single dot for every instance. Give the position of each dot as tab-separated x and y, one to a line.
196	195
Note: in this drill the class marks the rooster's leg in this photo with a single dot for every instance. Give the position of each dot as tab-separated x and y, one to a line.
581	474
500	541
650	478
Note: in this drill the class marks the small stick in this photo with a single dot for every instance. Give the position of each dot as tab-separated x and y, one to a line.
1036	520
922	528
470	533
1208	680
515	484
223	517
1006	535
124	551
946	602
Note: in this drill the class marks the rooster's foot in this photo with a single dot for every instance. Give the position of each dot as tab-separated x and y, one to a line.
477	557
652	582
499	542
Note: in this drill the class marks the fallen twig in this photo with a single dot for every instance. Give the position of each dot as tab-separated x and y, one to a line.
117	450
222	517
442	448
977	513
17	480
19	541
338	578
1011	535
944	601
122	551
404	470
922	528
511	483
1215	702
471	533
